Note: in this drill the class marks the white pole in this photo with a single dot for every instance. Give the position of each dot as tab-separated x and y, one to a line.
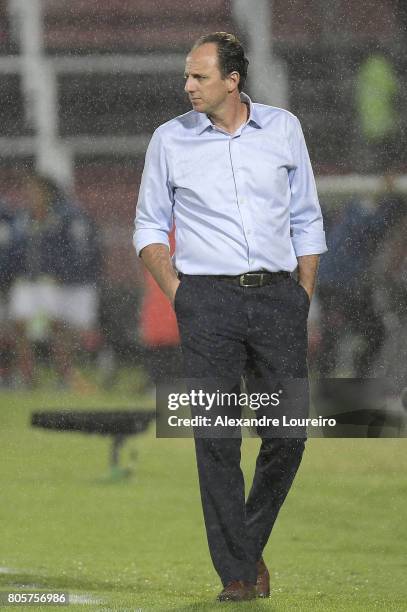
40	91
267	75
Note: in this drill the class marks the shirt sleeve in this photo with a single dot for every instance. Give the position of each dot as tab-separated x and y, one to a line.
306	225
154	218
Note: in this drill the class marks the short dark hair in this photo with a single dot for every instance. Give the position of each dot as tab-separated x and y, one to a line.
231	55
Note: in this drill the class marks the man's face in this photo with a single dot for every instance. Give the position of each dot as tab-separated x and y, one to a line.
206	88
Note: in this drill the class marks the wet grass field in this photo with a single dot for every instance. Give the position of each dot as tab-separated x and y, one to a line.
139	544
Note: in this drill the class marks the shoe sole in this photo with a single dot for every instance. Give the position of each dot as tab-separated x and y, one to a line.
251	598
233	598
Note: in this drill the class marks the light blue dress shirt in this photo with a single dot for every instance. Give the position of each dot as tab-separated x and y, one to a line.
240	202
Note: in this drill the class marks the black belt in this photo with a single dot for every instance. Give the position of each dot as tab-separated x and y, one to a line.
250	279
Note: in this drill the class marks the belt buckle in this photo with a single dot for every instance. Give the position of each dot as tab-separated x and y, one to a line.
258	283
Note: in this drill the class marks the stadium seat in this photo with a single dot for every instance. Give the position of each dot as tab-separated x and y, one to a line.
129	25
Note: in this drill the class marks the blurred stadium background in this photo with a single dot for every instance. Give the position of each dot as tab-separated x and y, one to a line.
83	85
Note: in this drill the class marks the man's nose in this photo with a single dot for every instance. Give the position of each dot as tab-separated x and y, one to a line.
189	85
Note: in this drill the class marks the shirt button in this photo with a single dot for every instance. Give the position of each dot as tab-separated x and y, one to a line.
249	232
242	201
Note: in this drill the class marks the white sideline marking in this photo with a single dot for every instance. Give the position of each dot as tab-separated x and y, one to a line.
84	599
74	598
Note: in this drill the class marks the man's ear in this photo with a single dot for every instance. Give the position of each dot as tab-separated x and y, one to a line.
233	79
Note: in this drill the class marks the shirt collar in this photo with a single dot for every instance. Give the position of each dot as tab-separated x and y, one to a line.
203	122
254	113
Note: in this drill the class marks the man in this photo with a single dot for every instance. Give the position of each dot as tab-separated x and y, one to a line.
376	97
55	293
347	283
11	245
236	178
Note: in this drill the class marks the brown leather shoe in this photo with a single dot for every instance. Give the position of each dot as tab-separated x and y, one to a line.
238	590
263	580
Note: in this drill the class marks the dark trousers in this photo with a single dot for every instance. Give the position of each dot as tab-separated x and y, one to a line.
226	331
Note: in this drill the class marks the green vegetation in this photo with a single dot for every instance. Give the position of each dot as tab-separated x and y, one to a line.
339	543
